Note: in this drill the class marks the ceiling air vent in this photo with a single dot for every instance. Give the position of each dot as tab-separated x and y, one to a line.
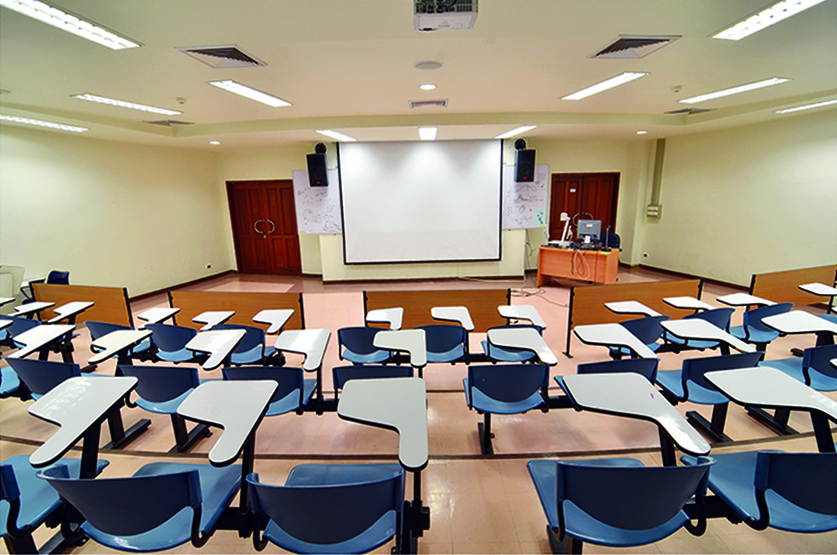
169	122
632	46
222	57
690	111
428	103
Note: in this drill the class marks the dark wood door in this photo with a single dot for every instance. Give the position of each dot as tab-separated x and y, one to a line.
264	227
583	196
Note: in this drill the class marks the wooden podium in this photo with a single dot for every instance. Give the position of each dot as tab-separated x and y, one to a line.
595	266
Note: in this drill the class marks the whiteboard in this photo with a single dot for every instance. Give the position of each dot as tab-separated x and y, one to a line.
317	208
524	204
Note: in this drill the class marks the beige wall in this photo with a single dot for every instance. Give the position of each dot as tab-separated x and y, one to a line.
748	200
113	214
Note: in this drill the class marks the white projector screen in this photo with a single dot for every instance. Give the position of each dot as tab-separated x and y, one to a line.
428	201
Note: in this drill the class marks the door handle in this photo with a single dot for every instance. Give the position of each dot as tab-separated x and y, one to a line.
272	227
255	227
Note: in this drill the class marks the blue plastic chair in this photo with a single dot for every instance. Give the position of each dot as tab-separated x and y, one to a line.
160	390
161	506
342	374
331	508
252	349
28	502
9	382
355	345
647	329
445	343
754	331
644	366
101	329
294	391
689	384
58	277
40	376
719	317
617	502
508	354
796	492
504	389
170	343
19	325
813	368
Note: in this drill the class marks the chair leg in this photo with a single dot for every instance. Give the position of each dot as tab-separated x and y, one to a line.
183	438
715	428
558	547
484	431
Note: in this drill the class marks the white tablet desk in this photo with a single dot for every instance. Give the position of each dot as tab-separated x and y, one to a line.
523	338
613	335
702	330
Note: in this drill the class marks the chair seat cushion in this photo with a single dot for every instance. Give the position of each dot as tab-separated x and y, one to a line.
291	402
506	355
482	402
9	381
163	407
370	358
252	356
218	487
449	356
732	479
755	335
375	536
671	381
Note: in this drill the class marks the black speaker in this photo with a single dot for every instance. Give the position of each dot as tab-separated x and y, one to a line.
524	166
317	175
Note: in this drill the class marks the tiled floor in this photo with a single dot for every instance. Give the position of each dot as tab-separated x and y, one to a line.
478	504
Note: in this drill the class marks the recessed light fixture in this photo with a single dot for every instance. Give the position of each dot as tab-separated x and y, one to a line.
513	132
41	123
427	86
123	104
735	90
336	136
643	132
765	18
620	79
252	94
70	23
807	107
427	133
215	142
428	66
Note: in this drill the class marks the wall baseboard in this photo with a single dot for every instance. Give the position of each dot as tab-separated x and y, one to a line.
180	285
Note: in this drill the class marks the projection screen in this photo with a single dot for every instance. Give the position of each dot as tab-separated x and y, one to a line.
429	201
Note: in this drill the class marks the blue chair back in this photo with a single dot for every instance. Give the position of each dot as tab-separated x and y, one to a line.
290	379
509	354
323	505
753	318
647	328
18	326
40	376
719	317
343	374
358	339
630	497
509	383
158	383
695	369
644	366
446	341
101	329
58	277
253	337
127	506
170	338
808	480
819	359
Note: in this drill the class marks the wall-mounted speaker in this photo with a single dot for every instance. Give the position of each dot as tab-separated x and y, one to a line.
524	166
317	175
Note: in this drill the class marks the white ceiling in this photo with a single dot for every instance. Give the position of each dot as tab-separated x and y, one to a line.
348	65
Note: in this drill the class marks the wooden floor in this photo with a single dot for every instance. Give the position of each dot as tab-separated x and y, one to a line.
478	504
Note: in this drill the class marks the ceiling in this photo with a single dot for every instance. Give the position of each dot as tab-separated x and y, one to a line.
348	65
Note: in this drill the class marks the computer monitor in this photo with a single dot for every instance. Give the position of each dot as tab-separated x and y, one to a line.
591	228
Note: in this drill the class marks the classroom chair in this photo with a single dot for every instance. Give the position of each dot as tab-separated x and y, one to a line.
19	325
294	391
813	368
754	331
504	389
40	376
161	506
617	502
446	343
718	317
355	345
330	508
689	384
644	366
252	349
647	329
342	374
141	351
795	492
507	354
28	502
170	343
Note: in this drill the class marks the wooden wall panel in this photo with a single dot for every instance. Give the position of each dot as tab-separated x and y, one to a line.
481	303
111	302
783	287
245	305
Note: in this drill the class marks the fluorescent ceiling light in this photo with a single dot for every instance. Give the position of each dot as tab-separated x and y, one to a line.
735	90
621	79
252	94
765	18
70	23
427	86
215	142
807	107
336	136
642	132
41	123
513	132
427	133
123	104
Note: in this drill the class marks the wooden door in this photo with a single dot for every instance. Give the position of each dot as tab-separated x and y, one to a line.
583	196
264	227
